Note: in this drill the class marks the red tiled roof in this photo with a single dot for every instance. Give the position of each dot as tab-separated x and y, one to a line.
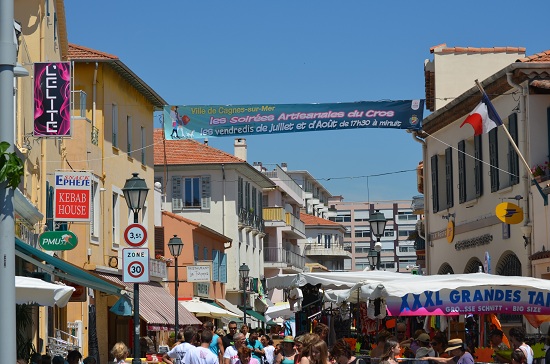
315	220
188	151
445	49
80	52
542	57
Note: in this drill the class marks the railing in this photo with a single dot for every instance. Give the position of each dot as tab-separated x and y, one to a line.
157	268
279	214
285	179
248	218
280	255
295	222
62	344
319	249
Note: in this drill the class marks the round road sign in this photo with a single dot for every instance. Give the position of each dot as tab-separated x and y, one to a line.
136	269
135	235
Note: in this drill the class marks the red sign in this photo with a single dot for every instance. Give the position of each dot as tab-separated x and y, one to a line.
135	235
72	196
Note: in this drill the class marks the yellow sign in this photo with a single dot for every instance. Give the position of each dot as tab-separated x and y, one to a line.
450	231
509	213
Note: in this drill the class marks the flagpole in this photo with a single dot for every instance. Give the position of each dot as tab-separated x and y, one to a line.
544	196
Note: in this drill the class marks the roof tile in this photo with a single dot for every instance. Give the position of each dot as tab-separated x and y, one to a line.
442	48
188	151
80	52
315	220
542	57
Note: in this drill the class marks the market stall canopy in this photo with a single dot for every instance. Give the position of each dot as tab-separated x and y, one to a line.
334	280
33	290
279	310
453	294
205	309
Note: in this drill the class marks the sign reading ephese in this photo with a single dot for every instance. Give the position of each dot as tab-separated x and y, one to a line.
72	196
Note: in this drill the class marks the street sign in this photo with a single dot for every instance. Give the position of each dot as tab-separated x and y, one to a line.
57	240
135	235
72	196
135	265
198	273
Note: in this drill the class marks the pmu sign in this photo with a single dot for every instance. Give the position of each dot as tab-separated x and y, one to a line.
72	196
135	263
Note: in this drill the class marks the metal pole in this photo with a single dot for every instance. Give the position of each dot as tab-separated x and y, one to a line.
8	57
177	327
244	300
137	351
378	257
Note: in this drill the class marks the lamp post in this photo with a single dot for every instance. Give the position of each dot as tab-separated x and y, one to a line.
377	222
175	245
135	192
243	273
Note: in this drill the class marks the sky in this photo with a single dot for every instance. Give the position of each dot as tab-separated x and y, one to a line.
223	52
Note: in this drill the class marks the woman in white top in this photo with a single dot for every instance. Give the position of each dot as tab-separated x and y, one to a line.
120	352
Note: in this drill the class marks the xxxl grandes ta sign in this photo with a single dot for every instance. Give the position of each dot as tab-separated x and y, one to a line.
181	121
479	300
72	196
52	99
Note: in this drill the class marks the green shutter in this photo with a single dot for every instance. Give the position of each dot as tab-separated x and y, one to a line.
461	171
435	185
513	159
493	159
215	265
449	176
223	267
478	166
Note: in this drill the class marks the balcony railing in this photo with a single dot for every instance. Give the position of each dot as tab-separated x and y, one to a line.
280	255
285	180
279	214
157	268
249	219
320	249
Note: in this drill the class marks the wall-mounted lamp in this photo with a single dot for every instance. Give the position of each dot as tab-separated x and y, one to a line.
448	216
20	71
526	230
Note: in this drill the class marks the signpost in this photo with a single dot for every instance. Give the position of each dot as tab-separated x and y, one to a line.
135	263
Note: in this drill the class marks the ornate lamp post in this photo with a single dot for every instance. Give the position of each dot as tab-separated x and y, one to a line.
135	193
175	245
243	273
377	222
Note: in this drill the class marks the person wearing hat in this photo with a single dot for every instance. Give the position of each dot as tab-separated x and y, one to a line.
459	354
424	348
287	354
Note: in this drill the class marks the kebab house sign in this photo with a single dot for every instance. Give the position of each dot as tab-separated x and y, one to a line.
478	300
72	196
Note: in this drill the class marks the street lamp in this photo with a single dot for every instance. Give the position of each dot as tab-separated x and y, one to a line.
175	245
135	192
377	222
243	272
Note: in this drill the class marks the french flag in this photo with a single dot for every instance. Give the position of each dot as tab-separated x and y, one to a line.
484	117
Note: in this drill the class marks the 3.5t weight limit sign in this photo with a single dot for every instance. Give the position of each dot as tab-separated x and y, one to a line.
135	263
135	235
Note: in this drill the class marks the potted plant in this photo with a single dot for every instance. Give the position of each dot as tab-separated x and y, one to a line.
539	170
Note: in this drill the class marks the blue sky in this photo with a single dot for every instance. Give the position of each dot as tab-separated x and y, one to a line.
295	52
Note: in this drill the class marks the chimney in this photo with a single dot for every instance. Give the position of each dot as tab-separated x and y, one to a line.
205	141
283	166
240	148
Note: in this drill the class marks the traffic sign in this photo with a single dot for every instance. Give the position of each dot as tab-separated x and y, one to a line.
135	235
135	265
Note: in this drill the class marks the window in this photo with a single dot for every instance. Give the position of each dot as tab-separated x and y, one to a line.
442	171
240	193
143	145
196	252
205	253
116	220
361	215
328	240
254	202
343	216
129	134
347	234
406	216
389	233
362	231
115	125
195	191
504	169
469	169
192	197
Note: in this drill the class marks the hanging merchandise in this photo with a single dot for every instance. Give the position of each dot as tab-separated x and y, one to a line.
376	308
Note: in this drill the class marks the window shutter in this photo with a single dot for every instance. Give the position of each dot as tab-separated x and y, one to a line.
478	166
159	240
513	159
177	201
240	193
493	159
449	176
461	171
205	192
215	265
196	252
223	268
435	187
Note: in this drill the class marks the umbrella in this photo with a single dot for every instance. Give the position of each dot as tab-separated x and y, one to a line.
205	309
33	290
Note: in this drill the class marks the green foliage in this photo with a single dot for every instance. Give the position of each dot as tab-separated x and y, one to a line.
23	320
11	166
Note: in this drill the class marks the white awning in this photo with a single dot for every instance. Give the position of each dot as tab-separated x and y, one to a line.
230	307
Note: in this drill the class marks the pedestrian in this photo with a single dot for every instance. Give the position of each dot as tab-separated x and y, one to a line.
202	354
216	346
255	345
245	356
391	350
518	357
287	353
231	355
88	360
179	351
517	339
458	354
424	348
47	359
318	353
227	340
73	357
269	349
341	353
120	352
58	359
245	330
322	330
378	351
36	358
439	343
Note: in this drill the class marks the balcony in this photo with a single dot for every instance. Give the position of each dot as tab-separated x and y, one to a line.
287	184
283	258
278	217
157	268
250	221
319	250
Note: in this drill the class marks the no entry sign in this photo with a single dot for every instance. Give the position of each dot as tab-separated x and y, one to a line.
135	263
72	196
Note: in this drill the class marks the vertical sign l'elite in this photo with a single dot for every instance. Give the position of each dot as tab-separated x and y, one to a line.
72	196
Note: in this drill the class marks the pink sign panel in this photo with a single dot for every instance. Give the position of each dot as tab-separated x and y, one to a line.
52	99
